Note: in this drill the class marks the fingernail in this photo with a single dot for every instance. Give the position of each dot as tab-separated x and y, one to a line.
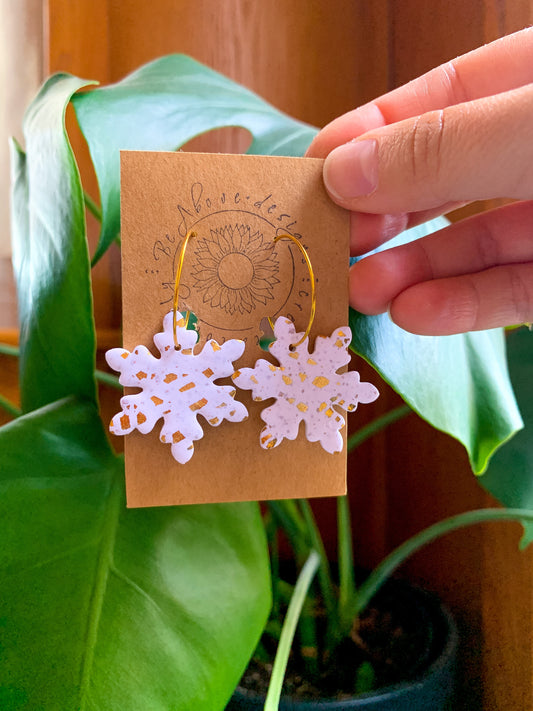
351	170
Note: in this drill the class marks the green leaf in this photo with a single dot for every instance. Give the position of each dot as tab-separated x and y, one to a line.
163	105
365	678
510	474
289	627
50	255
400	554
108	608
459	384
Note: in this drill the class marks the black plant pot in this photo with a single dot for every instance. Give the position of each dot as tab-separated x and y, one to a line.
432	689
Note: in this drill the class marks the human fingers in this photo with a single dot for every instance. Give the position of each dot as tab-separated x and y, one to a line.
368	231
466	78
478	150
502	296
433	267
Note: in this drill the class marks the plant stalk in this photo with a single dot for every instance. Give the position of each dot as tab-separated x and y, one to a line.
308	639
384	570
347	589
10	407
324	574
6	349
380	423
91	205
287	633
108	379
273	547
100	375
291	521
298	523
5	404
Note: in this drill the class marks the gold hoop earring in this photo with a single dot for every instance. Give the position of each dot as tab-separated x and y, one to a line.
313	287
179	386
306	386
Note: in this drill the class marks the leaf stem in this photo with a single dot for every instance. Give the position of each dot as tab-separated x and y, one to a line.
380	423
289	627
100	375
10	407
108	379
324	574
5	404
347	589
91	205
384	570
271	530
291	521
6	349
308	639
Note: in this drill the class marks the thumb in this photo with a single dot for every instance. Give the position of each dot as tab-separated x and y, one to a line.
472	151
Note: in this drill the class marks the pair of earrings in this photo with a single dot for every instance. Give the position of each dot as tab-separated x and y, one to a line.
180	385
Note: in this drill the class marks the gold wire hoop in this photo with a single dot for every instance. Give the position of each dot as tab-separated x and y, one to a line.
313	294
181	259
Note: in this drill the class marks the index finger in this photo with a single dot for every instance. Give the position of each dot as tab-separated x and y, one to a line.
504	64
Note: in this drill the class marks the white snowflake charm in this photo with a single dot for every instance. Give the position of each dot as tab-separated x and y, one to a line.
178	387
306	387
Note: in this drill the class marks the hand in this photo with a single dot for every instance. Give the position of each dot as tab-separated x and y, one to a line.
459	133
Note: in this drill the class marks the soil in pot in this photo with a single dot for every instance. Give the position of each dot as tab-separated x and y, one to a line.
396	640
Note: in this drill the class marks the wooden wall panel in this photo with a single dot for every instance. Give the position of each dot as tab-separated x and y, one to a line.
315	60
372	42
507	613
424	35
296	54
77	38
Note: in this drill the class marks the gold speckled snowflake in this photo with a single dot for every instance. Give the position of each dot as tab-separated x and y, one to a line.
306	387
177	387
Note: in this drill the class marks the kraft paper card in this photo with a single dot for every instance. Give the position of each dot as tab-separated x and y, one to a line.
234	278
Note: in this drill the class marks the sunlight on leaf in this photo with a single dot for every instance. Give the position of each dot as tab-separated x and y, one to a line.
50	255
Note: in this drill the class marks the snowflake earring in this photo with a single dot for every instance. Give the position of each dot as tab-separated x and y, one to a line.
179	385
306	386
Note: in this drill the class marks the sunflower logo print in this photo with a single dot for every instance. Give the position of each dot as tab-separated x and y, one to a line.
235	268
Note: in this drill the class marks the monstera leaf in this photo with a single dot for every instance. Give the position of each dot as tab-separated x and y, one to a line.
108	608
163	105
458	384
100	607
50	255
510	474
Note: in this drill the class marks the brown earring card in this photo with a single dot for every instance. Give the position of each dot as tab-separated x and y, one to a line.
234	277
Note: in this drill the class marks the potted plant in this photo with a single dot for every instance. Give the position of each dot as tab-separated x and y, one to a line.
399	652
357	648
105	607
